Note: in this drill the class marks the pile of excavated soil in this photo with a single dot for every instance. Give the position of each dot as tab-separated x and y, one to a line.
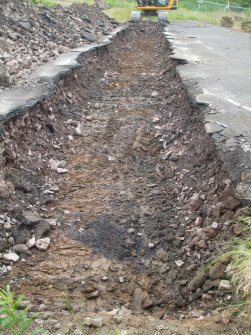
114	198
30	35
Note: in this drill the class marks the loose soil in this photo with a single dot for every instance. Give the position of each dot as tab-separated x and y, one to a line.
130	231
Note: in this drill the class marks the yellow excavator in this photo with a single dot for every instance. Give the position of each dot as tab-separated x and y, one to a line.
158	8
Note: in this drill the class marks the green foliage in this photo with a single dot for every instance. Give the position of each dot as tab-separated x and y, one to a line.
237	252
47	3
13	318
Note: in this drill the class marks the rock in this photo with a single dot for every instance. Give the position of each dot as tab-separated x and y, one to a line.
147	303
41	228
215	225
78	130
217	271
195	202
93	295
198	280
154	94
60	170
6	188
201	244
21	235
31	218
89	117
3	244
179	263
225	285
118	319
198	221
230	202
10	256
124	312
89	36
31	242
227	21
137	299
96	322
19	248
43	243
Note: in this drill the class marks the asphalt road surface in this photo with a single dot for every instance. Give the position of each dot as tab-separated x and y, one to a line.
218	73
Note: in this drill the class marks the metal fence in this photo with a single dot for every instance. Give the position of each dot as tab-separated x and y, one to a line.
224	7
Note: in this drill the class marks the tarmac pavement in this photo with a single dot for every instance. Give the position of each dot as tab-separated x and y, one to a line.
217	73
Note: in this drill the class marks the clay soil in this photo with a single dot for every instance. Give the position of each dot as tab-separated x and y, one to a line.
126	234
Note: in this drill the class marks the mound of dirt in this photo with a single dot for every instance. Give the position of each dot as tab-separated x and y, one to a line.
30	35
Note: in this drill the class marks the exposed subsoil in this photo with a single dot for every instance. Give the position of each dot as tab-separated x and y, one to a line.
143	203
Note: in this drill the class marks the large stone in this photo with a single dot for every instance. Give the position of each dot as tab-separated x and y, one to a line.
96	322
217	271
31	218
21	236
20	248
195	202
198	281
41	228
11	256
43	243
89	36
225	285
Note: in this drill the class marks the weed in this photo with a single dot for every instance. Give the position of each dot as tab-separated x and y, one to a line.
13	318
115	332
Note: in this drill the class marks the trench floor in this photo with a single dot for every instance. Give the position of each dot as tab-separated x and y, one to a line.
126	225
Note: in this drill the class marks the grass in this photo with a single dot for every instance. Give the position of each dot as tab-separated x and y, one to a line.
238	252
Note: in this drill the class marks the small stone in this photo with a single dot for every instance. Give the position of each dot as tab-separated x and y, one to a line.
198	221
118	319
11	256
195	202
93	295
121	280
41	228
151	245
124	312
225	285
179	263
31	242
96	322
19	248
156	119
43	243
89	117
131	230
215	225
60	170
154	94
78	130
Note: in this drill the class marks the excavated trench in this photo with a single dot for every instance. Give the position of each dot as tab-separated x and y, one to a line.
118	163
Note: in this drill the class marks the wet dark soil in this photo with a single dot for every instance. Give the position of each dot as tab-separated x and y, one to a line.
145	200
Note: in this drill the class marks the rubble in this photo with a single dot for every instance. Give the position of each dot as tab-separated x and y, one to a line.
31	35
